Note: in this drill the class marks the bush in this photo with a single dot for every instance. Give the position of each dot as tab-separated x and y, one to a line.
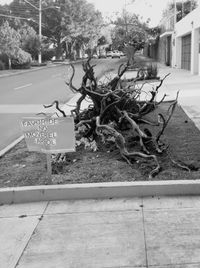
48	54
152	71
2	65
4	60
37	64
22	60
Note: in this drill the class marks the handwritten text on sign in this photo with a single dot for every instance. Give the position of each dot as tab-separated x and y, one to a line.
49	135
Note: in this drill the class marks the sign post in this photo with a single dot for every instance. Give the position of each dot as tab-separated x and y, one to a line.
49	135
49	168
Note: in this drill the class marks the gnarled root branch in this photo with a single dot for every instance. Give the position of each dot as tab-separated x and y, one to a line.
136	129
120	143
166	121
57	107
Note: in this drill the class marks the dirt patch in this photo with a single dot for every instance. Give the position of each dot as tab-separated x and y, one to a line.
19	167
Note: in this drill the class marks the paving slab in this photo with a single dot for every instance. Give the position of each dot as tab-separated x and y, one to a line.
27	209
189	265
14	236
153	232
172	236
106	238
94	205
171	202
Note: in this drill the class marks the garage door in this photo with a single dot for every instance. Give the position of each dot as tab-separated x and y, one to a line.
186	52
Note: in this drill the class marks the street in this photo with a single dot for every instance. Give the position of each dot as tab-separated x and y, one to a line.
24	94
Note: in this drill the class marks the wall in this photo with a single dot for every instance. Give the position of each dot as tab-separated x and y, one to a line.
189	24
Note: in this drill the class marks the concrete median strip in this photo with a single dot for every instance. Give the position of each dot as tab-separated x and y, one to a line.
94	190
10	146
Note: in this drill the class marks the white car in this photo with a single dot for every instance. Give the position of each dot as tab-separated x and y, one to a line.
121	53
109	54
85	56
115	54
95	56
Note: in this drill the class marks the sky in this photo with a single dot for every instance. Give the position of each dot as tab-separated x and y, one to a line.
145	8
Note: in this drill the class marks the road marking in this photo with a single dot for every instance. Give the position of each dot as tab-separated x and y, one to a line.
27	85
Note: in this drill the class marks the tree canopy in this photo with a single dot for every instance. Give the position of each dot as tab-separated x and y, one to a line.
29	40
9	40
76	22
129	33
10	45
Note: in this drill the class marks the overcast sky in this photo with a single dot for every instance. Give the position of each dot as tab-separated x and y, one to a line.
146	8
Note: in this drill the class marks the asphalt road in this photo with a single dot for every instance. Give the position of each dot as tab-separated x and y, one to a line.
24	94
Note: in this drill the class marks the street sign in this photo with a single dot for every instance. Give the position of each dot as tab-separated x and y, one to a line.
49	135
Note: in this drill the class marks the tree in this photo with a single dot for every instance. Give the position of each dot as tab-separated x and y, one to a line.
29	40
118	118
73	25
4	11
102	41
9	41
129	34
81	24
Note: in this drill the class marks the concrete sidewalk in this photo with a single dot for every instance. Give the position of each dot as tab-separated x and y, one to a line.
189	90
156	232
7	73
179	80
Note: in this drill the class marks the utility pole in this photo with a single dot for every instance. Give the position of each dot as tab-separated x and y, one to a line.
40	25
40	32
125	18
174	13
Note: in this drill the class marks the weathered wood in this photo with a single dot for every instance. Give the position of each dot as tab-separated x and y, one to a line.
116	106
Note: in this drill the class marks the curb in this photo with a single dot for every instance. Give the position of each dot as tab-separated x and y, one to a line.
11	145
33	69
98	191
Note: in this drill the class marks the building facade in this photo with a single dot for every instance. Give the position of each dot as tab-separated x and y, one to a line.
186	47
166	38
179	42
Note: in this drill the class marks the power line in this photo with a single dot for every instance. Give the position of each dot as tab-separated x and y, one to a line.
13	17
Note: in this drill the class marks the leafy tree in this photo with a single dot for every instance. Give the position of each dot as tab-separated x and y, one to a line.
9	41
29	40
11	45
22	60
81	24
102	40
4	10
69	28
129	34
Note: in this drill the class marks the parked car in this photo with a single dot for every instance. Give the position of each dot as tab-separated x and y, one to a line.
85	56
115	54
95	56
109	54
102	55
121	53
